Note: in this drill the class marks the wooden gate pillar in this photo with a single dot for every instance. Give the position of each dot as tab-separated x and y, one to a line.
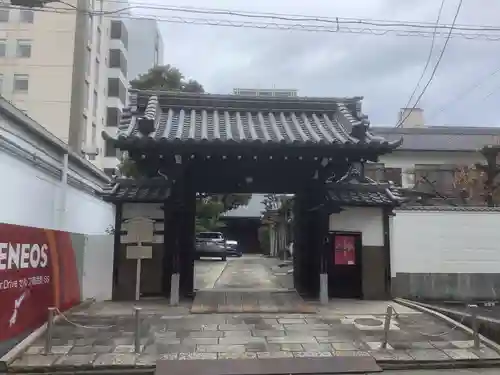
187	242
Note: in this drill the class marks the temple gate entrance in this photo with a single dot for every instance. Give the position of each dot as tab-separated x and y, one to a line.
182	144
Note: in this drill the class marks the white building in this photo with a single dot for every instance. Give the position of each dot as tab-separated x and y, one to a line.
436	150
83	59
66	52
136	46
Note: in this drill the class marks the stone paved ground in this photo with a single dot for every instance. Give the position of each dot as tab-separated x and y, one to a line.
173	333
103	335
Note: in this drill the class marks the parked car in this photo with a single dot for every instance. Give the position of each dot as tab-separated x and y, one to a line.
211	244
210	249
233	249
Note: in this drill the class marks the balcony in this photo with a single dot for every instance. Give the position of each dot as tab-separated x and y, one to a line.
118	60
117	89
119	32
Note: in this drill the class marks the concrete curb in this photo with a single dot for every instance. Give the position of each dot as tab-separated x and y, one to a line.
21	347
434	312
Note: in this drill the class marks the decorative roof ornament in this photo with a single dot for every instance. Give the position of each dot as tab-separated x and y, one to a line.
146	124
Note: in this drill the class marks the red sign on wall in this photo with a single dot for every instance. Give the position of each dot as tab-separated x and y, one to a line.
345	250
37	271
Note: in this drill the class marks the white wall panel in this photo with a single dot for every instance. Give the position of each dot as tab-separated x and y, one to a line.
445	242
30	197
367	220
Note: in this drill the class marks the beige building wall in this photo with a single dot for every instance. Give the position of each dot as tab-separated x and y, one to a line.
64	73
48	69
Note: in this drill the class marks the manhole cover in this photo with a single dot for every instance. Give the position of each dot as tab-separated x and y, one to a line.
368	322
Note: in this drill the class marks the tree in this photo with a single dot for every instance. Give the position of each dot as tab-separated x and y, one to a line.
479	183
209	208
167	78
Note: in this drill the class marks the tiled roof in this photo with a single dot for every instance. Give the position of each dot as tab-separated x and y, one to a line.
183	117
441	138
128	190
353	196
356	190
450	208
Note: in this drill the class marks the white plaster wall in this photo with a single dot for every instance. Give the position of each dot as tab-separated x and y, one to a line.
97	280
406	161
367	220
32	198
445	242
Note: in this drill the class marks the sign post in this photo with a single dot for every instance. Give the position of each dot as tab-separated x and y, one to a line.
139	230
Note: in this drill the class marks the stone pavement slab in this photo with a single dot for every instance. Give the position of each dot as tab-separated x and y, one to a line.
174	334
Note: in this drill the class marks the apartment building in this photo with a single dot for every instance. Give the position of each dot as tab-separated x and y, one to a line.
282	93
45	60
143	50
60	67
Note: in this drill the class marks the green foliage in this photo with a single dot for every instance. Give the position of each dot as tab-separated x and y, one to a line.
209	209
167	78
128	168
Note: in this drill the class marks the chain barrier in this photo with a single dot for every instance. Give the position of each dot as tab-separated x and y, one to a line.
54	311
455	326
64	317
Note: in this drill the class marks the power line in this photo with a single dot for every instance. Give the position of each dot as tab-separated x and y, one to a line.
440	58
467	91
486	35
298	17
429	57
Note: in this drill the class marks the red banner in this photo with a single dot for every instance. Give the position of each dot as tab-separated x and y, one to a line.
345	250
37	271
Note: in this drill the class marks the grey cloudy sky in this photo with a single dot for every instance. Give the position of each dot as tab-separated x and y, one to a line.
383	69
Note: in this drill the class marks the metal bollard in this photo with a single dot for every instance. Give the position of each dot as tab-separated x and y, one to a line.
475	327
387	326
137	333
50	330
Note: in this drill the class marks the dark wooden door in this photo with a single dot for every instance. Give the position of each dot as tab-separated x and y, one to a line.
344	276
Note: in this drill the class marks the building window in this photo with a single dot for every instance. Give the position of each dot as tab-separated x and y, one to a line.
95	104
23	48
96	71
117	60
26	16
21	82
393	175
110	150
119	31
265	93
4	15
112	116
3	47
116	89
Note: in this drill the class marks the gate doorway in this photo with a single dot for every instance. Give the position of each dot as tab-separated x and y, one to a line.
181	143
345	265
